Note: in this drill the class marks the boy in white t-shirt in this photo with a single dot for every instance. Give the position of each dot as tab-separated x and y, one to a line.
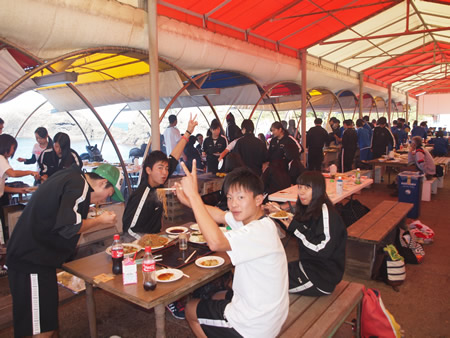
259	303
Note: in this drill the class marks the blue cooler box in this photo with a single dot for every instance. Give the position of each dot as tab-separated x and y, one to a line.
410	190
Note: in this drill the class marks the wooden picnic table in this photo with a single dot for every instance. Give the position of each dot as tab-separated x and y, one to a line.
165	293
350	188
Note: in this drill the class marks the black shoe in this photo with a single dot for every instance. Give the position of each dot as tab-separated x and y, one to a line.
393	185
177	310
394	194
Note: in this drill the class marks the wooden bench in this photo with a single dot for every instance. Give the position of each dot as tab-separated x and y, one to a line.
429	187
368	236
322	316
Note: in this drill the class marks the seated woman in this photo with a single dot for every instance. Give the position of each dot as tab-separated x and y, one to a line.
322	237
59	157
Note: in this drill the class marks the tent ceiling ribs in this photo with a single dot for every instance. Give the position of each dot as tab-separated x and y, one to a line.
329	11
422	31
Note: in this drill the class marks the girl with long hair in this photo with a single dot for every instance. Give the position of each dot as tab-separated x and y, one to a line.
43	141
60	156
321	236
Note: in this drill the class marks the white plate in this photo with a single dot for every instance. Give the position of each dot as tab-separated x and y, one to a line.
195	227
275	217
196	239
199	261
177	274
138	247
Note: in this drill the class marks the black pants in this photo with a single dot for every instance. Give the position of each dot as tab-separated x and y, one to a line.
315	159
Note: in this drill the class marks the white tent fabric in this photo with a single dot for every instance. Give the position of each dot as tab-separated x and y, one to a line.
56	27
10	71
242	95
434	104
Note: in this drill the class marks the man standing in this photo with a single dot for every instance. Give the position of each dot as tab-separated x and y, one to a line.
349	146
382	139
316	139
363	140
251	150
46	236
171	135
276	177
420	130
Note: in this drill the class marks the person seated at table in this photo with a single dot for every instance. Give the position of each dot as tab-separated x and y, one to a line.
421	158
46	236
258	303
322	237
59	157
143	212
440	144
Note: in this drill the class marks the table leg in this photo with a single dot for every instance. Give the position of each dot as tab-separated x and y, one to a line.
91	310
160	313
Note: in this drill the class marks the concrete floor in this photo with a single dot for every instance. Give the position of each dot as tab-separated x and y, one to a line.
421	306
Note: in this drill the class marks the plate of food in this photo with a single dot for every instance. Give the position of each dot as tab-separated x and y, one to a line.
195	227
129	249
197	237
175	231
168	275
209	262
280	214
153	240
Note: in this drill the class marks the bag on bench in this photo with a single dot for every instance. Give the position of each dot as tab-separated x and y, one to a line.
352	211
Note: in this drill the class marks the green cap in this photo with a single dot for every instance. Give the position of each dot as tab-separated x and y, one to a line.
113	176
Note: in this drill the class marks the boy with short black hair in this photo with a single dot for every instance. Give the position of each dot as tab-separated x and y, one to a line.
258	304
143	212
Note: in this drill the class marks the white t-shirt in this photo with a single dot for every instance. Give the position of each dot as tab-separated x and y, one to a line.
37	150
171	137
260	301
4	165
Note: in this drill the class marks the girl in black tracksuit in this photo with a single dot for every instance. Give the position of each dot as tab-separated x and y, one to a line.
322	237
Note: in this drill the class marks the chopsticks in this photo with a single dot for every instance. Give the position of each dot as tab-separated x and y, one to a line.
190	256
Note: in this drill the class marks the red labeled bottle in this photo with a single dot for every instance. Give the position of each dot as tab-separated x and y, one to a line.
117	255
148	270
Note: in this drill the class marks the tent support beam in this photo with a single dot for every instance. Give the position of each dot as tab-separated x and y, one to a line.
26	120
154	73
361	95
389	103
303	57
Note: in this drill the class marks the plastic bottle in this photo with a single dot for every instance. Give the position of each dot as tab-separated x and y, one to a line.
339	186
117	255
333	170
358	176
148	270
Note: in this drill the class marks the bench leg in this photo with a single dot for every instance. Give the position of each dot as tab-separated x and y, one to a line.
434	186
358	320
440	182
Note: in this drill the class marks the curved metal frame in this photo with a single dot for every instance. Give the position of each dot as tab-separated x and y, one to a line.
48	65
336	99
28	117
338	95
372	105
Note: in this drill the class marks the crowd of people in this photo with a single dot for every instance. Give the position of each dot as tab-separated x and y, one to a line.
256	304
